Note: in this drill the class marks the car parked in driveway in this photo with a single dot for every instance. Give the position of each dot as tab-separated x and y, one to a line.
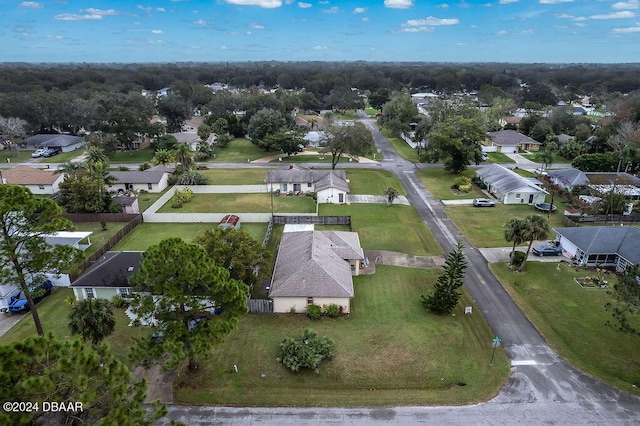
483	202
50	152
547	250
38	153
38	292
540	171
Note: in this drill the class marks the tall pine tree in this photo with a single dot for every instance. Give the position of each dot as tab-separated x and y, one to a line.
445	295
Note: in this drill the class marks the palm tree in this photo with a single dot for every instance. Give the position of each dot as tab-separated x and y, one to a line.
183	155
545	157
162	157
391	194
514	231
93	319
96	155
537	229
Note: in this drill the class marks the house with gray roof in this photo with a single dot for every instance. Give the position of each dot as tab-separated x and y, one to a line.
509	142
64	143
109	276
602	246
154	179
509	187
330	186
568	178
315	268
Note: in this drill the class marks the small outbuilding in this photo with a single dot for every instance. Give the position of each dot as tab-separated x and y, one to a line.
230	221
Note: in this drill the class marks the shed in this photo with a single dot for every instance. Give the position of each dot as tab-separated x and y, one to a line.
230	221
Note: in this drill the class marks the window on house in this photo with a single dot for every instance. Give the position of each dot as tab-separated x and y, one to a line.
309	185
297	187
309	301
89	293
125	291
149	186
40	186
283	187
518	195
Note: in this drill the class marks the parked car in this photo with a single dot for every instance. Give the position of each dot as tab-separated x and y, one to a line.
540	171
547	250
50	152
38	292
38	153
483	202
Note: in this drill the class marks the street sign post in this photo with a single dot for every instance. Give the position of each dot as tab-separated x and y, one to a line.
495	343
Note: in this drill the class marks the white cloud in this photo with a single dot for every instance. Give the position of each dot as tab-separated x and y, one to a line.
443	6
333	9
365	19
31	4
431	21
398	4
199	22
101	12
508	1
615	15
627	30
267	4
160	9
304	5
157	31
319	47
555	1
360	10
417	30
256	26
76	17
223	47
631	4
146	9
502	33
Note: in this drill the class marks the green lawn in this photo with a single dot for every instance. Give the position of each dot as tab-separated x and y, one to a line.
238	151
15	157
238	203
572	319
235	176
147	199
389	352
498	157
315	158
135	156
349	114
401	147
54	314
148	234
64	157
439	182
99	237
396	228
484	227
556	158
373	182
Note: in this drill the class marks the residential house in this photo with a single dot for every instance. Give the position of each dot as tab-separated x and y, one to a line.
330	186
127	204
509	142
154	179
79	240
601	246
568	178
39	181
509	187
64	143
618	182
191	139
109	276
315	267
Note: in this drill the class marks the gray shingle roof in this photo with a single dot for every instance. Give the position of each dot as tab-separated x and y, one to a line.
511	138
505	180
623	240
331	180
311	264
148	176
111	270
570	177
298	174
57	141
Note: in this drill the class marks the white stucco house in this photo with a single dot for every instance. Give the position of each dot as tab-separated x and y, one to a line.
39	181
315	267
330	186
154	179
109	276
511	188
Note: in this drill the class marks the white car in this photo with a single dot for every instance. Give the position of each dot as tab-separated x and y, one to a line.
540	171
38	153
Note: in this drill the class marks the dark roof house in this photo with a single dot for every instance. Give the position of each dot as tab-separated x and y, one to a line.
512	141
65	143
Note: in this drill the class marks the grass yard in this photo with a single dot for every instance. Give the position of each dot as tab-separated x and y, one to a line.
373	182
235	176
396	228
135	156
54	314
21	156
145	200
312	158
99	237
439	182
498	157
148	234
389	352
556	158
238	151
349	114
401	147
371	112
249	203
484	227
572	319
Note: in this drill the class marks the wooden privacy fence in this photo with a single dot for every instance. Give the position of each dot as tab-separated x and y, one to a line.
260	306
600	219
312	220
97	217
130	226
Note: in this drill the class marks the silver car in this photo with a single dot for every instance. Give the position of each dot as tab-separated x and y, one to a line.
483	202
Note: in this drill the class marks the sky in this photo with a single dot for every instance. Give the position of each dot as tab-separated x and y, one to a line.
524	31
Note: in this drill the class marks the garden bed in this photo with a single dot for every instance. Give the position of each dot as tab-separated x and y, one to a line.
591	282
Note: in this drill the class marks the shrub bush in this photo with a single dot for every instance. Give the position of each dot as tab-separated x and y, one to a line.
314	312
332	310
144	166
465	187
118	301
478	182
460	180
517	259
176	204
307	352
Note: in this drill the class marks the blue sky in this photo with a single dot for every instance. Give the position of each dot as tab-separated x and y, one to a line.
327	30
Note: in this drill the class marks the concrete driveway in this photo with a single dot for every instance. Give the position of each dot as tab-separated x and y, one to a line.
8	320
